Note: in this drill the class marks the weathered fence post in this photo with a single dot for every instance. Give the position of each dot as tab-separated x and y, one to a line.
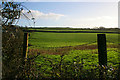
25	45
102	52
25	50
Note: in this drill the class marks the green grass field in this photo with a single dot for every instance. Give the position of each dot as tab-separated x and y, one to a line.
40	40
76	48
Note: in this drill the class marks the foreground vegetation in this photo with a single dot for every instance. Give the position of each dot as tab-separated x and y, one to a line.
77	64
12	53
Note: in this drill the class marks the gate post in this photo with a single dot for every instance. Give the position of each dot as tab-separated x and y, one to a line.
102	52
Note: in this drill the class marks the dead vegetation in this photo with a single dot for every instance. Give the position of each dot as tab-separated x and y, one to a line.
66	49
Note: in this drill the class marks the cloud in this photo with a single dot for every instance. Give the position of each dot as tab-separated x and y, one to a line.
102	18
106	21
40	15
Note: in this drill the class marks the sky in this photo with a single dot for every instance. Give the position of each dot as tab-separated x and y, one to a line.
71	14
66	0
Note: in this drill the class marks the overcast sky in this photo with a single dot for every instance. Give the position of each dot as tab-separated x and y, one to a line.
73	14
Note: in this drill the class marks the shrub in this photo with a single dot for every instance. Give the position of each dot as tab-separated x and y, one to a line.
12	40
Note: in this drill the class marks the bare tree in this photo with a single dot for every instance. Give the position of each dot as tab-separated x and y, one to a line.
11	12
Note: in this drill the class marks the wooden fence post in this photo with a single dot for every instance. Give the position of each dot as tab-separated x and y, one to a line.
25	46
25	50
102	52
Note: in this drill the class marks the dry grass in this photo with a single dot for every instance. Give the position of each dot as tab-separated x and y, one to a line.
66	49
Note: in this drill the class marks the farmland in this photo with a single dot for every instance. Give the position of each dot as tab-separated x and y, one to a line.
47	40
70	49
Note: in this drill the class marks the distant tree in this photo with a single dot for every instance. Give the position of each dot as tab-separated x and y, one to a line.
101	27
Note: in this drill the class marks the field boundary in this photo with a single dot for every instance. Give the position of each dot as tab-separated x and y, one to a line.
69	31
